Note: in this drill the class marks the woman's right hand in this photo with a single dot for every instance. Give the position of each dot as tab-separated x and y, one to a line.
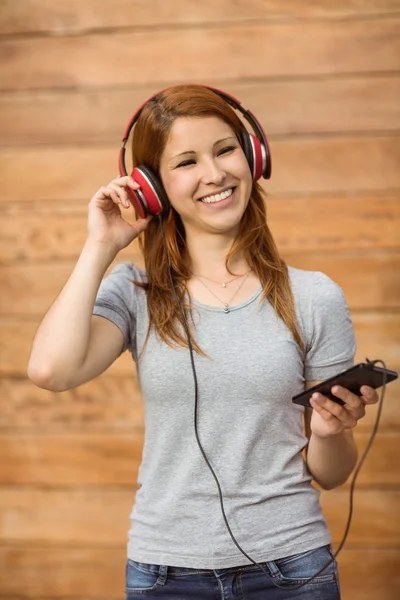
105	222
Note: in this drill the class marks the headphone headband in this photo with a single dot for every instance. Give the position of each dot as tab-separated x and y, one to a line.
232	101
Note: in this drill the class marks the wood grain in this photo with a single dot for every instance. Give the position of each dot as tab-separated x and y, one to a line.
72	17
376	517
335	224
74	459
78	573
309	106
298	49
374	332
105	403
82	573
50	231
378	336
305	166
101	518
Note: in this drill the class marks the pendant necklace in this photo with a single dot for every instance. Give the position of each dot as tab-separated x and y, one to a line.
224	283
226	304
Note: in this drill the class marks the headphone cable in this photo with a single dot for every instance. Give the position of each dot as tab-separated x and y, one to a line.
196	397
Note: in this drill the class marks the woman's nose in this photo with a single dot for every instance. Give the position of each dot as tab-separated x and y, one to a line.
212	173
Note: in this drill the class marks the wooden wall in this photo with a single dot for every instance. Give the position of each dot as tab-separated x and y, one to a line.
323	76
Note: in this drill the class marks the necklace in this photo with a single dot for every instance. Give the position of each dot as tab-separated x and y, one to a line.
224	283
226	304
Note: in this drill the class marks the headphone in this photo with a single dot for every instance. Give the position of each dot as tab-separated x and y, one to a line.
151	198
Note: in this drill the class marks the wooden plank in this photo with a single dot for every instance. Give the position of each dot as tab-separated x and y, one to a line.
52	231
104	403
301	167
65	517
332	164
76	517
334	224
73	459
368	281
368	574
47	231
378	336
343	104
78	573
73	17
114	403
300	48
82	573
375	520
381	466
358	275
374	334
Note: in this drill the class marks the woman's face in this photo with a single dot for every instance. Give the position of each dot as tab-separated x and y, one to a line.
206	175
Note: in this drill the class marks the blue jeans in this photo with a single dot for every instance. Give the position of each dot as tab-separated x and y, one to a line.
160	582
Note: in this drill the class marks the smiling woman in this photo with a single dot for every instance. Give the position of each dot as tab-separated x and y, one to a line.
215	296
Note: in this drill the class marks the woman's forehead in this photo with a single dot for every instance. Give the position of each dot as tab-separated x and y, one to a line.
196	131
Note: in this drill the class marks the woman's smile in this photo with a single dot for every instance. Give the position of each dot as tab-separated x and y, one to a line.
220	200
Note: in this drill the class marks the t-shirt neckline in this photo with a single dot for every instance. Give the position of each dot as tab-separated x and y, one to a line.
232	307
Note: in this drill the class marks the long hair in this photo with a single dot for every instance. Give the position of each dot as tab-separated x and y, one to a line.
254	238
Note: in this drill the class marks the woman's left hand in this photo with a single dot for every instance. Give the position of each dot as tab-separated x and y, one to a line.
330	418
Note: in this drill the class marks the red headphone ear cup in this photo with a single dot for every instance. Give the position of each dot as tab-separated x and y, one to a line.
151	198
258	157
138	201
253	151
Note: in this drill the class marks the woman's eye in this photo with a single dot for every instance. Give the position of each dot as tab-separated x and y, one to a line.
227	149
185	163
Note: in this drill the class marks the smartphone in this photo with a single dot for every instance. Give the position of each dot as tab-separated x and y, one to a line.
352	379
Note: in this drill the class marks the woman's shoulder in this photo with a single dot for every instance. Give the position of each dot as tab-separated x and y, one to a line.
316	292
129	271
310	282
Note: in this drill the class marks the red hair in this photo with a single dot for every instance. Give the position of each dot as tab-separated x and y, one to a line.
254	239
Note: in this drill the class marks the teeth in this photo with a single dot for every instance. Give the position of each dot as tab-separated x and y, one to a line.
217	197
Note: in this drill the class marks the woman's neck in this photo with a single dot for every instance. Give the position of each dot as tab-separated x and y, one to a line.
208	255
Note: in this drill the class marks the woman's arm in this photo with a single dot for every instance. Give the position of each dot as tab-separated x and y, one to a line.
71	346
331	452
60	347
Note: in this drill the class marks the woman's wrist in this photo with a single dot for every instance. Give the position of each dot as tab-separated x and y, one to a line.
96	249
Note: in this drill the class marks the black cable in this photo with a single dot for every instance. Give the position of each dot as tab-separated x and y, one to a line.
196	397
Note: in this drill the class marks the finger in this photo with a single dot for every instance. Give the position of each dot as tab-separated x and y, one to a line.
114	196
141	224
126	180
350	399
329	410
121	193
103	193
369	395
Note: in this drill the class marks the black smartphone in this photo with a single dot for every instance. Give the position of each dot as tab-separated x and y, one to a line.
352	379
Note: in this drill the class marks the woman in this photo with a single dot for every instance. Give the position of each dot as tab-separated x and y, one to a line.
261	332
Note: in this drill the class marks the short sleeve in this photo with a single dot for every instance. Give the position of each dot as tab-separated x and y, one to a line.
332	346
116	301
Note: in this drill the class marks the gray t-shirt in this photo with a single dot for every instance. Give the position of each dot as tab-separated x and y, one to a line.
251	431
